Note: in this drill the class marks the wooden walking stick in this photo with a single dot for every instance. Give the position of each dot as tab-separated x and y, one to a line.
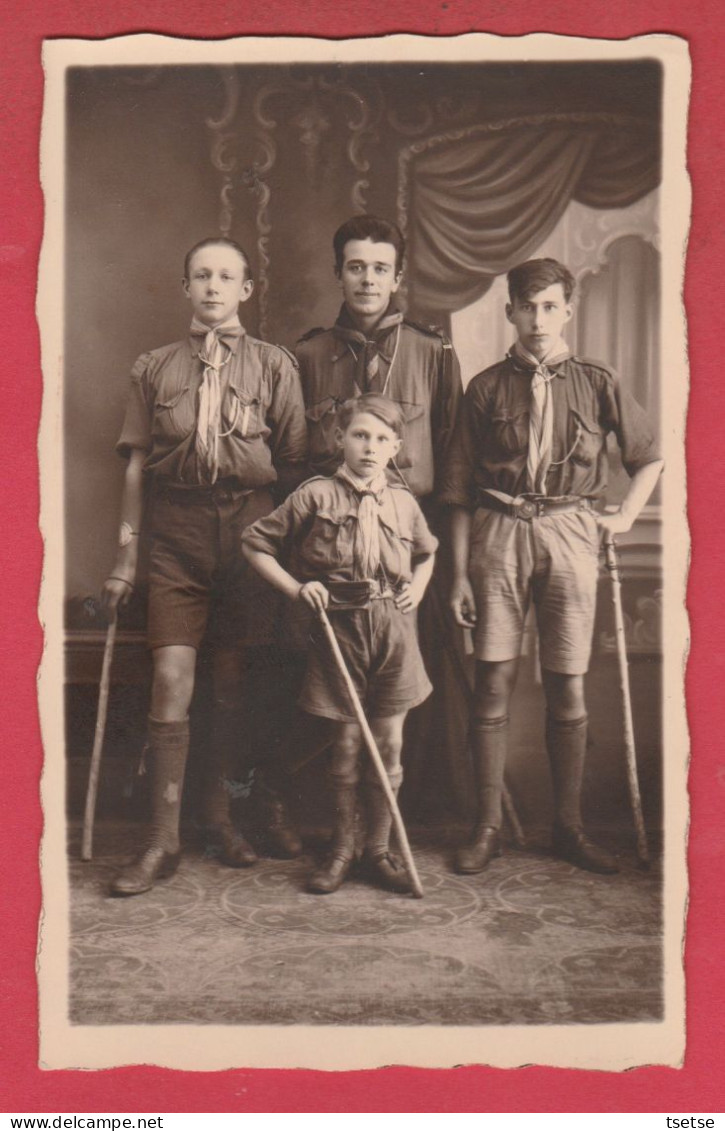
610	550
95	770
375	756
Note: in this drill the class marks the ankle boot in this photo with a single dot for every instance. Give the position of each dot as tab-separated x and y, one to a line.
380	864
489	748
277	831
168	749
329	876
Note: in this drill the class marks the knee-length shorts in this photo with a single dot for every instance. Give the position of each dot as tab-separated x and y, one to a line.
380	647
552	561
199	581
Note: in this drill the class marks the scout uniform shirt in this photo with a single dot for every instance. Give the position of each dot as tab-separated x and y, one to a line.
490	447
416	367
262	418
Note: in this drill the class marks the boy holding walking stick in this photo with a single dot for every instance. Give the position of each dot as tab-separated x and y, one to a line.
360	549
528	462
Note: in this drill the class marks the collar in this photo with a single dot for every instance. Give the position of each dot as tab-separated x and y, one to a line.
230	333
375	486
527	363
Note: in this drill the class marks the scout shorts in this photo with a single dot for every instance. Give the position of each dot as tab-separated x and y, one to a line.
552	561
198	578
380	648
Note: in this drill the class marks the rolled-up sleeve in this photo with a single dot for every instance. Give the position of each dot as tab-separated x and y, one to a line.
136	430
424	542
275	533
286	413
631	425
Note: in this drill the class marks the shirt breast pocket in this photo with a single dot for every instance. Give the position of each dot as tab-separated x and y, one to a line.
510	431
329	541
175	415
585	439
322	424
242	415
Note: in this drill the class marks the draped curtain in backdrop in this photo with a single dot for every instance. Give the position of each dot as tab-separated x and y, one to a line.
479	200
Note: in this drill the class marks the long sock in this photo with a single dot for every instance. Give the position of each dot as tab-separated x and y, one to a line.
490	746
169	748
225	776
344	797
380	819
566	744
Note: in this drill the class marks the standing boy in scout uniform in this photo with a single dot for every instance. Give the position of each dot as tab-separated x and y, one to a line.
528	462
373	348
212	422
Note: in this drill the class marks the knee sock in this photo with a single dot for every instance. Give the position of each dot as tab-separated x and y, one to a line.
380	819
169	748
490	746
344	798
225	775
566	744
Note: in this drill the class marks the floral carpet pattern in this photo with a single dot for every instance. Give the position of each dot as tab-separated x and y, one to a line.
531	941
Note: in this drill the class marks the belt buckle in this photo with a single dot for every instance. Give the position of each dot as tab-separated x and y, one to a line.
526	510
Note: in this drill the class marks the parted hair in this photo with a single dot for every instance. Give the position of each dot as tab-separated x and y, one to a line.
218	241
536	275
377	405
369	228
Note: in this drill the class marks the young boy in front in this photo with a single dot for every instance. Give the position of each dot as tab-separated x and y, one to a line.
528	463
361	549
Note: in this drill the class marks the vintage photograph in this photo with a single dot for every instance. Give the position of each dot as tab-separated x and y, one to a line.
363	499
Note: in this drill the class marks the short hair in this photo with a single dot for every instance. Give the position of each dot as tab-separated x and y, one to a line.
536	275
377	405
369	228
218	241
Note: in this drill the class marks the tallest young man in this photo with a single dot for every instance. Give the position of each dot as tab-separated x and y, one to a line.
373	348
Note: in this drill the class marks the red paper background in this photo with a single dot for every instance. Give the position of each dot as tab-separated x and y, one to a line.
698	1086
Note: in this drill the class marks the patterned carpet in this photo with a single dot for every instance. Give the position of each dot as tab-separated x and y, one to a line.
531	941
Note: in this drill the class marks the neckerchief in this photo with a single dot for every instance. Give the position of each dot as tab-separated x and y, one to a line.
541	410
369	492
214	354
367	349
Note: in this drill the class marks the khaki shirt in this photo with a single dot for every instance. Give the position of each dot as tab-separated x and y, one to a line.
262	412
313	532
492	438
425	381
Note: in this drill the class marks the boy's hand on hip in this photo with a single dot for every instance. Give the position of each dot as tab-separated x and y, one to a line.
314	594
617	523
409	596
463	604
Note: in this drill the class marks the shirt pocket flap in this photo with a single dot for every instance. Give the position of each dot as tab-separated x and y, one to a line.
411	411
319	410
173	400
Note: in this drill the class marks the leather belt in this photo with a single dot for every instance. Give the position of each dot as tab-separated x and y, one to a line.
356	594
529	507
189	495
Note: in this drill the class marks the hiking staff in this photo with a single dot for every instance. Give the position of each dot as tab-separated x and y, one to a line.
95	770
612	562
375	756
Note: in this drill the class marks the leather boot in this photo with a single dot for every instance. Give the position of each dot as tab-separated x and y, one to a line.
225	781
167	753
329	876
490	745
278	834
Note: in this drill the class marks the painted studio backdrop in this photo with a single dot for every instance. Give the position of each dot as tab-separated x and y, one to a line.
482	166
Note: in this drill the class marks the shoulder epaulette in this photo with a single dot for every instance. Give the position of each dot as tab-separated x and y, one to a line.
430	330
593	363
314	479
312	333
290	355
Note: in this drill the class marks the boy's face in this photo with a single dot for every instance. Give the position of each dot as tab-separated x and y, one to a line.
217	283
539	318
368	279
368	445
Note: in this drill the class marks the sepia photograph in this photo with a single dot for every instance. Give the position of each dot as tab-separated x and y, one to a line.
364	373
